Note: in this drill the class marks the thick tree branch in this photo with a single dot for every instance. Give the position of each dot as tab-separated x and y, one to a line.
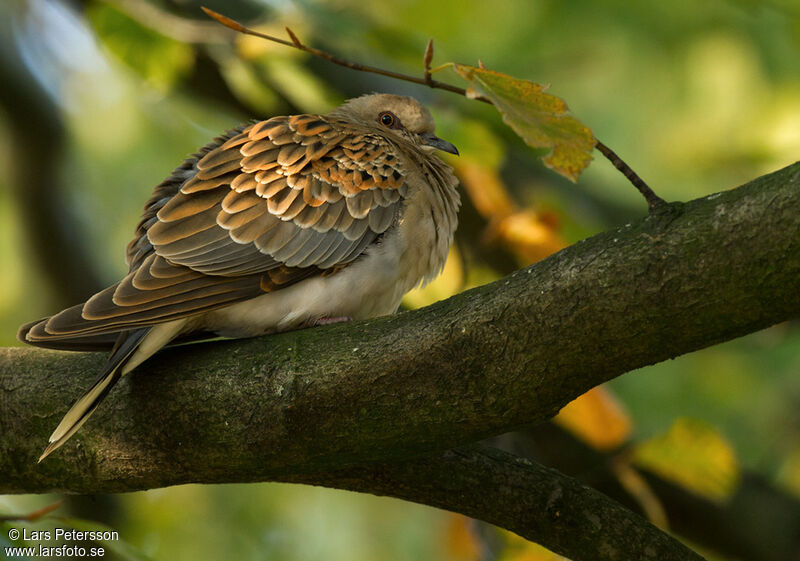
490	359
305	405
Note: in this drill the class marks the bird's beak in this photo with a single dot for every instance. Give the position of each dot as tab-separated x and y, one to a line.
432	140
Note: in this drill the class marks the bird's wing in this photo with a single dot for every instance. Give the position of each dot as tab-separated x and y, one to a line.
257	210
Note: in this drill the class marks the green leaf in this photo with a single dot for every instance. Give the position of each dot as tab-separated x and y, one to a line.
159	59
540	119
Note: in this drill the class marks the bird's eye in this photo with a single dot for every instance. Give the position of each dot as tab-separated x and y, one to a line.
387	119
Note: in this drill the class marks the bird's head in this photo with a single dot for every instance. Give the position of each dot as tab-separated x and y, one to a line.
396	114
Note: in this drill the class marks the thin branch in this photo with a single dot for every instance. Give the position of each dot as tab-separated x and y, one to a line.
295	43
295	40
653	201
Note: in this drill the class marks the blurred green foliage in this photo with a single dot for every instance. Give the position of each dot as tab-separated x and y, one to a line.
158	59
697	96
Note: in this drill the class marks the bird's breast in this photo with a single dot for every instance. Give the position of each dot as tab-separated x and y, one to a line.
412	251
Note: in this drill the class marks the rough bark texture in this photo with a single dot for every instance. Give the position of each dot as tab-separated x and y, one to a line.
508	354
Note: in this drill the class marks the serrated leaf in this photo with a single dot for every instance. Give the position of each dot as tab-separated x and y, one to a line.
159	59
694	455
540	119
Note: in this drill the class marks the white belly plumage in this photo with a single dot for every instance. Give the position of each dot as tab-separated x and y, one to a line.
372	286
369	287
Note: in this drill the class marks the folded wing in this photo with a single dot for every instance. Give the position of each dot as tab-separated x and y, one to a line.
259	209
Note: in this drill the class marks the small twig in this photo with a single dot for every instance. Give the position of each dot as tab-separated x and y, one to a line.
426	61
653	200
295	40
296	44
35	515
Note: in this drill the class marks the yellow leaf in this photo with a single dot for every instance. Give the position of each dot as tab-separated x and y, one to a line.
541	119
485	188
520	549
524	232
460	541
692	454
529	236
597	418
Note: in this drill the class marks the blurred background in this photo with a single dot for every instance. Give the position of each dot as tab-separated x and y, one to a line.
100	100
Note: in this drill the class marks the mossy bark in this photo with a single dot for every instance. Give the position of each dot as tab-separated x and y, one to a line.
505	355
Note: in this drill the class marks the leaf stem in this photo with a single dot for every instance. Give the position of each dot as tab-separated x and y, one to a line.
653	200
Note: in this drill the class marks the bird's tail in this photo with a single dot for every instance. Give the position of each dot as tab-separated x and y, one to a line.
126	346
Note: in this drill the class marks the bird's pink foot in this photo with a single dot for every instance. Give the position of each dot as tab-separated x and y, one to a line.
328	321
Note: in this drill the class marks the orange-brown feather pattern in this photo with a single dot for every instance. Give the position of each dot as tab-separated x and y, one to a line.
261	207
237	201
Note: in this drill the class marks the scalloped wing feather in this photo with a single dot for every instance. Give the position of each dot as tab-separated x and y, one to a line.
260	208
